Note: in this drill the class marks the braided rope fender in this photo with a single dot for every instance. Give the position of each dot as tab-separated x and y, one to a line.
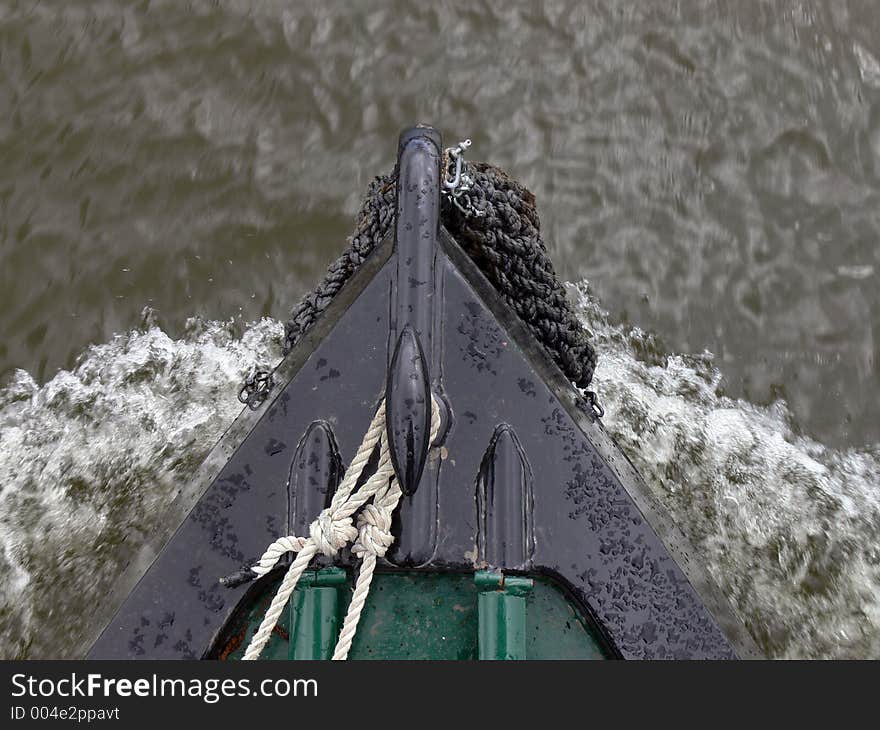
504	241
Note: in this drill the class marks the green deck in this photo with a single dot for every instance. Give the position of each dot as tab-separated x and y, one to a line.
420	616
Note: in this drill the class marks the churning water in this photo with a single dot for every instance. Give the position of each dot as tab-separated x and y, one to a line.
712	168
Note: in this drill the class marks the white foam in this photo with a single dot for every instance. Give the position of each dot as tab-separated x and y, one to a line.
787	527
97	452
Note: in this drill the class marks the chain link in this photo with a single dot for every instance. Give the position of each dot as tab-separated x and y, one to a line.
456	181
256	388
593	402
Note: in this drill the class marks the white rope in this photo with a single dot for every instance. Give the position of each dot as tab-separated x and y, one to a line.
374	539
283	545
333	529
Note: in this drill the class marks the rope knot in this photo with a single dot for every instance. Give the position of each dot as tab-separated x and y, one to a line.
330	533
334	529
374	531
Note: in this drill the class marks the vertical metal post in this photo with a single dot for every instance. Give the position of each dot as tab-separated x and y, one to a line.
412	345
314	614
501	606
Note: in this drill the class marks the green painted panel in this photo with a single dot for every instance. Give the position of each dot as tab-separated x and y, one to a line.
314	614
502	618
430	616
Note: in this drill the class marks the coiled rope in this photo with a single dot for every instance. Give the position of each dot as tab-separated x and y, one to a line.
334	528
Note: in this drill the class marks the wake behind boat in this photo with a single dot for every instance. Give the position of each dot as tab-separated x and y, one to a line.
425	474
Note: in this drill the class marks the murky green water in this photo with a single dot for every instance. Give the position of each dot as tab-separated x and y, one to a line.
712	168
